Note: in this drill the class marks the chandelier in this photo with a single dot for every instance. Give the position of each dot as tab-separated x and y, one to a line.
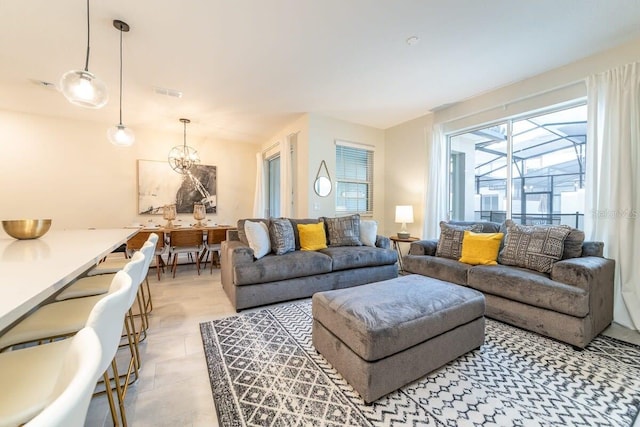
120	135
182	157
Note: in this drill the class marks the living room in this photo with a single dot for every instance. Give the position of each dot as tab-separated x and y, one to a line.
59	164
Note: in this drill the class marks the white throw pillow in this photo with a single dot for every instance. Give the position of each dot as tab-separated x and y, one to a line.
368	232
258	238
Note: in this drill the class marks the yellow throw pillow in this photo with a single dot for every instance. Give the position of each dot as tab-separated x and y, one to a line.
480	248
312	236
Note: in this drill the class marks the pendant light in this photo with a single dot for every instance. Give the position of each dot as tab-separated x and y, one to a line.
119	134
182	157
81	87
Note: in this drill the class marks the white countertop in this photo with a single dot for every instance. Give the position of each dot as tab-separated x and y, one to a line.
33	270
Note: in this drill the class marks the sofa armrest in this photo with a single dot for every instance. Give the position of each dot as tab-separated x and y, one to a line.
585	272
383	242
424	247
232	235
238	252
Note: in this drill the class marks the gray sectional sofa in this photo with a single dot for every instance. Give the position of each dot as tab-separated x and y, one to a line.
251	282
572	303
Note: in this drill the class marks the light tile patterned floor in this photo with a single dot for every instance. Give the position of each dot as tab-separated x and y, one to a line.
174	389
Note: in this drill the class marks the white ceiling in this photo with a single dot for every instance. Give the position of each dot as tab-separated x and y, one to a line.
248	67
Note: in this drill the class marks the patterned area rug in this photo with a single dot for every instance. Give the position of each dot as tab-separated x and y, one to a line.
264	371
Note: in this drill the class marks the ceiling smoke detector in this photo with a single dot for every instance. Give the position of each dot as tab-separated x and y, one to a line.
413	40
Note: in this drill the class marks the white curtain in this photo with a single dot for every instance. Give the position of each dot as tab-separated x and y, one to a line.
260	198
286	178
435	208
613	181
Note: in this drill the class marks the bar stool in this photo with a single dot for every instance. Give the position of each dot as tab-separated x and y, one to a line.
52	382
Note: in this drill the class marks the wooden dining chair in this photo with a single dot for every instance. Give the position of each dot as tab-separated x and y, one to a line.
214	238
185	242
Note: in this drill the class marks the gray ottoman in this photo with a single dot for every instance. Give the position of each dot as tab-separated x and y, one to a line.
384	335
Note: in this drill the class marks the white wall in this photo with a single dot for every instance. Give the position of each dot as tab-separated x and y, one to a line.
406	165
68	171
553	87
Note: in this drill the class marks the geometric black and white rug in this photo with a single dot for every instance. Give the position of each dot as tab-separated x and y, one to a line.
264	371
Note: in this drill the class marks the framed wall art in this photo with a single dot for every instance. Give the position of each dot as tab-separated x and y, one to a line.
159	185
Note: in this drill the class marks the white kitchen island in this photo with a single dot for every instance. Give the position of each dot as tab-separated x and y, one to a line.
33	270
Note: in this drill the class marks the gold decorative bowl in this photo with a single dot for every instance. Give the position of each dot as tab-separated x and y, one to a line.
23	229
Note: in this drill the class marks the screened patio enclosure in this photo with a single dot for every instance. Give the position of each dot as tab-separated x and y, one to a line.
528	169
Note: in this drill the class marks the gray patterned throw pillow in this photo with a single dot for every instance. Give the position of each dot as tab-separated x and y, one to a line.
344	231
536	247
282	237
450	241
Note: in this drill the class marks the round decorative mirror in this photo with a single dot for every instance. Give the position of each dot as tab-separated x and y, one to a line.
322	186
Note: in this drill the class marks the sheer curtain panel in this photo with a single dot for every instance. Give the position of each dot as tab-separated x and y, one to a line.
436	184
613	181
259	199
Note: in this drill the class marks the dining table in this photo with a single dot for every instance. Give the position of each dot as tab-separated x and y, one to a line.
31	271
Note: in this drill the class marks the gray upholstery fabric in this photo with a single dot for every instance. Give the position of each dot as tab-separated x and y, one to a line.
573	244
383	242
372	380
271	268
438	268
593	249
423	247
241	234
581	272
294	224
485	226
450	241
384	318
343	231
344	257
529	287
533	247
281	236
254	295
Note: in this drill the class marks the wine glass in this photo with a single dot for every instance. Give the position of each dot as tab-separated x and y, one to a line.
199	213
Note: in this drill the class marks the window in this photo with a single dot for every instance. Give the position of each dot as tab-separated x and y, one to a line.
354	179
273	174
530	169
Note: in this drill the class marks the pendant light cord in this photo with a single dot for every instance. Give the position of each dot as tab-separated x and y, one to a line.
86	62
184	146
120	76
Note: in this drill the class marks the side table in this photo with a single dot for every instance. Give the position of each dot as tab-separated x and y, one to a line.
396	245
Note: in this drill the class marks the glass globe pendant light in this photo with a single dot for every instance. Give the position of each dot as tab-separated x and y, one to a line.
119	134
182	157
81	87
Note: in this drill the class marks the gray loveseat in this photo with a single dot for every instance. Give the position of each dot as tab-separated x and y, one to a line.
573	303
250	282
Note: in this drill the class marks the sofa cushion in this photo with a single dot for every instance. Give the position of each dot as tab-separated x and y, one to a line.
273	268
573	244
485	226
529	287
450	242
312	236
258	237
368	232
346	258
241	233
439	268
294	224
534	247
282	238
343	231
480	248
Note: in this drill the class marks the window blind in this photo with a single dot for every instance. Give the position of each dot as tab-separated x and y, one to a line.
354	179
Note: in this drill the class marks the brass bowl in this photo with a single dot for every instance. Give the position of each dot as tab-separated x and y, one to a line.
23	229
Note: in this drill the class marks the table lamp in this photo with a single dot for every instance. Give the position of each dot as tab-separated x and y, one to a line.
404	215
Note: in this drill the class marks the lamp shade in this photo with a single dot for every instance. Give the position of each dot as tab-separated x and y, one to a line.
404	214
121	136
84	89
